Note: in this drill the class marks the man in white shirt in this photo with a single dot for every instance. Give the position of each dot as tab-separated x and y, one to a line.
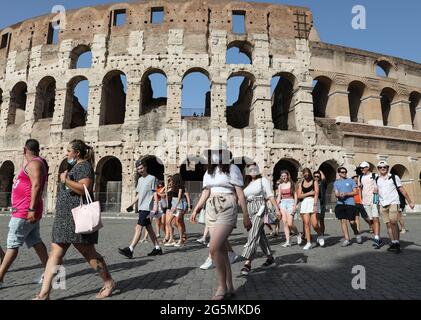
369	199
389	187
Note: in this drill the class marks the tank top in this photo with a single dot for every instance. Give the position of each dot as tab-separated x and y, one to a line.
287	193
21	193
308	189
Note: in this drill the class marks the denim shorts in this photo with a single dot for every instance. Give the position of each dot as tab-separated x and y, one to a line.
288	205
22	232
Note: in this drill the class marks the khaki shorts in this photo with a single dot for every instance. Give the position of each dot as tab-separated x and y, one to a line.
221	208
372	211
390	213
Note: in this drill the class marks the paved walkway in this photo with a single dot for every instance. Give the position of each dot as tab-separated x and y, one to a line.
322	273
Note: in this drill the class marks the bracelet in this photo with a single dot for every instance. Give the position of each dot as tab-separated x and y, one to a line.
31	210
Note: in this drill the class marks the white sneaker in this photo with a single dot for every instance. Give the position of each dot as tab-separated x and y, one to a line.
321	241
286	245
208	245
307	246
39	280
346	243
299	239
232	256
202	241
359	239
207	265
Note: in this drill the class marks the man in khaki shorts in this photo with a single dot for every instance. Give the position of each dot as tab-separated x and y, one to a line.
388	187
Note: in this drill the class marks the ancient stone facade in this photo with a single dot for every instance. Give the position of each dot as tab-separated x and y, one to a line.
349	115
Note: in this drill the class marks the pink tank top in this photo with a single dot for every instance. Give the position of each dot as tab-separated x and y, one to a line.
21	193
286	193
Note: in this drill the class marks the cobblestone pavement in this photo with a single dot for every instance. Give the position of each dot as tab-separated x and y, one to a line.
321	273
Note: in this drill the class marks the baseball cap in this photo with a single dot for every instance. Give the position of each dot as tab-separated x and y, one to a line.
365	164
382	164
138	163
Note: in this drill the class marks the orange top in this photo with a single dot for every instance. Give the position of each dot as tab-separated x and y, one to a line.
357	199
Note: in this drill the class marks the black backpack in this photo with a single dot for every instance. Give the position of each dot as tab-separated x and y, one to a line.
402	199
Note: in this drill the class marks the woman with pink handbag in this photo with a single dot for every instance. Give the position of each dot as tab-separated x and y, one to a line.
80	178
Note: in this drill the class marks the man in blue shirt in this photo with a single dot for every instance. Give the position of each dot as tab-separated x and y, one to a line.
345	210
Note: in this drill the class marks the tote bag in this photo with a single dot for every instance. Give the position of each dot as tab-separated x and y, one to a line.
87	217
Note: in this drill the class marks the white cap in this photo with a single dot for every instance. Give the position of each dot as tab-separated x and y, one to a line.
365	164
382	164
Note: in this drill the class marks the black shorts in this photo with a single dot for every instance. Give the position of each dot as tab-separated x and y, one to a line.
144	219
361	211
322	212
345	212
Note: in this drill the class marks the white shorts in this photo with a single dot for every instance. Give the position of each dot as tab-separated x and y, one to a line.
372	211
307	205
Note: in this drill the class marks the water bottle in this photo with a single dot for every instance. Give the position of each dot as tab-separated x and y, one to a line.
375	198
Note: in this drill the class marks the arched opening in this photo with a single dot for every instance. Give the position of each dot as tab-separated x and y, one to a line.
109	184
153	91
400	171
239	100
414	103
383	68
113	105
387	95
355	93
192	171
329	169
81	57
239	52
18	104
45	99
196	94
291	165
76	107
155	167
321	89
282	91
7	173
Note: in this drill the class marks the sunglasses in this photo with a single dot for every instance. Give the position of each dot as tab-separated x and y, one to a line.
343	172
380	168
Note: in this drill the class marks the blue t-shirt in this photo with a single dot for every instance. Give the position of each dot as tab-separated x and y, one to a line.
345	186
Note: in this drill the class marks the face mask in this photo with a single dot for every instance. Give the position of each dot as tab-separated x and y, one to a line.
71	162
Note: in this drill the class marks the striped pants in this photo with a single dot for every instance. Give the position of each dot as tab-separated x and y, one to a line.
257	234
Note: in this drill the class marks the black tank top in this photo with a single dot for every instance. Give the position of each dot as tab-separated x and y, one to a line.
307	190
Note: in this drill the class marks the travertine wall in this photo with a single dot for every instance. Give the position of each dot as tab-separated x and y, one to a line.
195	36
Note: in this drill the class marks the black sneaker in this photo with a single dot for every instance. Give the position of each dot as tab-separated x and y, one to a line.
377	244
126	252
155	252
394	247
270	263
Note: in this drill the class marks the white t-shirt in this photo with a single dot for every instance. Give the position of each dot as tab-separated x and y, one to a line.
369	185
220	182
255	188
387	191
146	188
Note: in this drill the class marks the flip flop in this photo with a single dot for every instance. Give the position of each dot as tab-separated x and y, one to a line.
106	291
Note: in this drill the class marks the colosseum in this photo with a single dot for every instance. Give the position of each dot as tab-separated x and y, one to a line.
301	102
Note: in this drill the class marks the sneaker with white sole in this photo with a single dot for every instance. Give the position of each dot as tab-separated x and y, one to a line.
207	265
286	245
307	246
202	241
232	256
299	239
321	241
39	279
359	239
345	243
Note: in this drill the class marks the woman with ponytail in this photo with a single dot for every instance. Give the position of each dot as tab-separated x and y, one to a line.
80	158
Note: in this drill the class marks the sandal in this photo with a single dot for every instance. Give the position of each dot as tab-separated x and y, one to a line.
246	270
38	297
106	291
219	297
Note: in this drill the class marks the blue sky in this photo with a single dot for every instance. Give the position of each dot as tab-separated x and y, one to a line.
392	26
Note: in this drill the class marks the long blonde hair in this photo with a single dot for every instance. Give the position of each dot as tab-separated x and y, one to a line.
289	178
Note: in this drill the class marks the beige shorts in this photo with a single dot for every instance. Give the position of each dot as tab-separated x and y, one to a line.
221	208
390	213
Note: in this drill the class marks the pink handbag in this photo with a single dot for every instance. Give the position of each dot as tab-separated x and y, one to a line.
87	217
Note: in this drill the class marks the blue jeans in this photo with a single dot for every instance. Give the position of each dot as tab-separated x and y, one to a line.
22	232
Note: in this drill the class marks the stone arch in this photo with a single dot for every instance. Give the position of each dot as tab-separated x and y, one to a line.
113	101
283	114
384	67
196	93
17	108
79	54
355	93
387	96
108	183
151	97
239	113
192	171
238	52
321	89
45	98
329	169
401	171
289	164
7	173
414	103
75	113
